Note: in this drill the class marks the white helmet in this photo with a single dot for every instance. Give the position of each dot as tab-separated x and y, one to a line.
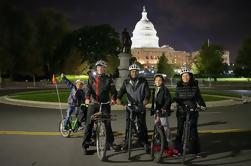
134	67
185	69
101	63
79	81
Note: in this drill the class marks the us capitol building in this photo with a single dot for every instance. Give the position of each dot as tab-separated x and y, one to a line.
145	47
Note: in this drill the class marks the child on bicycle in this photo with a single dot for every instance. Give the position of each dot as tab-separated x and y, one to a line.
161	101
75	99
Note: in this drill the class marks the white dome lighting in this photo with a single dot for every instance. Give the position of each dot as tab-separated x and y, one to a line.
144	34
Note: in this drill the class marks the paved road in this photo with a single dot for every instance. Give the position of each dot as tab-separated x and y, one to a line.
29	136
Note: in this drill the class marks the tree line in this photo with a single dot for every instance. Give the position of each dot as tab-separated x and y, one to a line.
39	45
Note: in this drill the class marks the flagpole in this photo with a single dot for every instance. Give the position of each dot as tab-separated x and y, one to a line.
59	102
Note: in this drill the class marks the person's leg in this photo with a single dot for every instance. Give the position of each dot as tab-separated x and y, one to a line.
165	124
70	110
88	129
180	128
141	117
110	137
194	137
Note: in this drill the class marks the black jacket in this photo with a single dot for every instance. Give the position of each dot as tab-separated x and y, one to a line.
137	91
162	100
189	94
100	87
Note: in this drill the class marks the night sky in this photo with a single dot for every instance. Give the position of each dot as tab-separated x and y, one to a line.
182	24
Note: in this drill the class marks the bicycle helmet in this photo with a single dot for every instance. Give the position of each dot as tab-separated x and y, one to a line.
134	67
101	63
159	75
79	81
185	69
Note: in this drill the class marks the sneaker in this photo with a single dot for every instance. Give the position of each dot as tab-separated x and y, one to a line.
85	150
146	148
124	147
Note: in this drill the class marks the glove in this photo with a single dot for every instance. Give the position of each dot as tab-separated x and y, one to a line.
203	108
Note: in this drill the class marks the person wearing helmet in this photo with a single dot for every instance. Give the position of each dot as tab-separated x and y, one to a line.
138	93
98	90
75	99
161	101
188	93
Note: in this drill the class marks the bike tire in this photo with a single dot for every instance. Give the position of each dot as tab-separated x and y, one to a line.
101	140
185	137
157	144
129	140
64	133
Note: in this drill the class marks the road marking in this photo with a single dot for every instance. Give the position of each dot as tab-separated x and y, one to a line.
223	131
34	133
29	133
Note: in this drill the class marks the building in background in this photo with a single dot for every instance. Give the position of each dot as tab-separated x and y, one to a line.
145	47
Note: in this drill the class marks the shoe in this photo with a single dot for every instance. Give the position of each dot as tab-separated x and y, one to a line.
110	147
146	148
124	147
85	150
198	155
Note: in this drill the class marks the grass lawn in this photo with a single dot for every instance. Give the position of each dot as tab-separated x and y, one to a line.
51	95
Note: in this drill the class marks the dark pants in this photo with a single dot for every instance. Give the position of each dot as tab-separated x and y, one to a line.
141	124
193	142
89	124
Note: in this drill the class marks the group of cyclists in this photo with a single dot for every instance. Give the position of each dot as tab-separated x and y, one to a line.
100	88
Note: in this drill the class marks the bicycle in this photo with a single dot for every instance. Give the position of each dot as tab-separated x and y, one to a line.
100	119
186	129
158	139
131	128
74	124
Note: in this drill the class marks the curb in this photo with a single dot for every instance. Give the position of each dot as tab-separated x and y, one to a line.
53	105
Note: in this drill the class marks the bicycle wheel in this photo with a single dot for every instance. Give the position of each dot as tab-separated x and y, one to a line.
101	141
129	139
157	144
64	133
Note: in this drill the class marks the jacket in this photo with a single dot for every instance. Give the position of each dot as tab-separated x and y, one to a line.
137	91
76	96
189	94
100	87
162	100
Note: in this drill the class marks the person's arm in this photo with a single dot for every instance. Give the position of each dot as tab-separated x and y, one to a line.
199	99
68	83
122	91
113	91
147	93
167	100
88	91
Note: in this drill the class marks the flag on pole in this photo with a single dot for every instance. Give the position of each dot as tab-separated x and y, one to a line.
54	80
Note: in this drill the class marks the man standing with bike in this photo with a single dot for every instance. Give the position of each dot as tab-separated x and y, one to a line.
98	90
188	94
138	94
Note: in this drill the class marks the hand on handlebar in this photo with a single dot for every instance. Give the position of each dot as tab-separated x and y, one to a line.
87	101
118	102
202	108
113	102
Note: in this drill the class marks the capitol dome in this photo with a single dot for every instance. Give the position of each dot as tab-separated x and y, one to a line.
144	34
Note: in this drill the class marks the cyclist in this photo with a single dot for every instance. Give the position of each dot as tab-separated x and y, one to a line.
99	88
75	99
138	93
188	93
161	100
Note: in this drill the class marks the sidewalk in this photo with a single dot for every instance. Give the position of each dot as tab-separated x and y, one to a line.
53	105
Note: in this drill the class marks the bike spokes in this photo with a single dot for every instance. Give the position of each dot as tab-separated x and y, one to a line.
101	141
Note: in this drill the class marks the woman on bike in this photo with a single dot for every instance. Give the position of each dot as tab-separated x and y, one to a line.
161	101
75	99
188	94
